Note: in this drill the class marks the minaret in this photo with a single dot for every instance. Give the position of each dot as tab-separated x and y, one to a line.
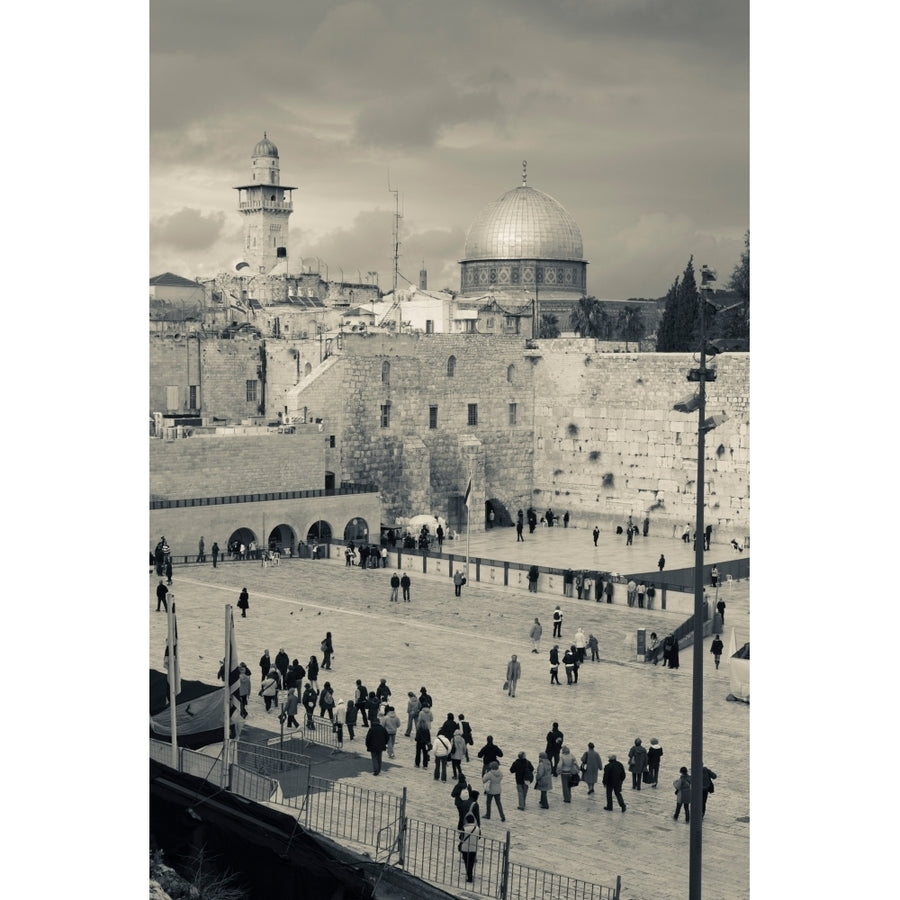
266	206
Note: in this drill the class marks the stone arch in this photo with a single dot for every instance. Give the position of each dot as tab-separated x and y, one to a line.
511	374
451	367
283	538
356	530
240	536
385	372
502	515
319	531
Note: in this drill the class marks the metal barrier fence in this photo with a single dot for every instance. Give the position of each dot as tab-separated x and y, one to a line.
378	820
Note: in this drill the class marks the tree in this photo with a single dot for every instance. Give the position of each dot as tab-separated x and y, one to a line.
631	325
740	284
589	318
679	325
549	326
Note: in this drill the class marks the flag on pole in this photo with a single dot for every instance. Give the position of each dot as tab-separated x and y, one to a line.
174	671
468	498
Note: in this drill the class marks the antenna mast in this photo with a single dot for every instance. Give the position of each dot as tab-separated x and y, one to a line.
396	194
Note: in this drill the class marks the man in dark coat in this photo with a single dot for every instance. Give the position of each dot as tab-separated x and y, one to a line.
161	591
613	778
489	753
404	587
554	746
282	661
708	787
376	743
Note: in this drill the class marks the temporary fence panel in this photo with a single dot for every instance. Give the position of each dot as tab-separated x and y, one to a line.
527	883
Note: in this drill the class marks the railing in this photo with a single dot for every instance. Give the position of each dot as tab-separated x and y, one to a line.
378	820
258	498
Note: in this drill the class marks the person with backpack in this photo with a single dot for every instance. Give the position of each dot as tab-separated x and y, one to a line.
309	704
682	785
326	701
327	648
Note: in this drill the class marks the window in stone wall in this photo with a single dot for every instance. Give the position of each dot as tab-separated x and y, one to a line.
429	326
193	391
513	410
331	440
451	367
473	413
511	374
432	417
386	415
385	373
251	391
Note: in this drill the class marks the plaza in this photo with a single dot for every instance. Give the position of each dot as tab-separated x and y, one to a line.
458	648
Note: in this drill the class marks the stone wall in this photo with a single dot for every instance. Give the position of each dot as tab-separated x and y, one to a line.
214	466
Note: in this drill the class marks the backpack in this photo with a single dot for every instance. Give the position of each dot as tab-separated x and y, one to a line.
441	746
328	700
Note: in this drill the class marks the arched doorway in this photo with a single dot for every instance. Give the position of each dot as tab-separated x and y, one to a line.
501	513
240	536
357	530
319	532
283	539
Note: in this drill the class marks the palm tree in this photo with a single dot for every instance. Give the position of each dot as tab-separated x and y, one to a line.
583	316
631	325
549	326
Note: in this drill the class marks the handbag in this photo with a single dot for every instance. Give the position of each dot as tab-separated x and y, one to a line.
574	779
646	778
505	685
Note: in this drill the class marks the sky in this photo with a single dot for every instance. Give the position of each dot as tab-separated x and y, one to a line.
633	114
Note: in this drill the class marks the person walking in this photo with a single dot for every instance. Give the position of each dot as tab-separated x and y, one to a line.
215	555
383	692
466	730
566	769
535	634
169	569
682	785
720	608
412	712
580	644
404	587
489	753
395	587
716	648
458	582
291	705
468	845
340	719
350	715
661	562
646	526
244	603
557	622
608	590
244	689
554	665
309	704
613	778
312	673
161	596
673	654
554	746
282	661
596	534
520	527
594	647
326	701
460	795
265	663
457	754
269	690
591	762
569	660
637	762
423	742
708	787
327	648
376	743
654	756
491	780
513	674
390	721
543	778
201	550
714	576
523	771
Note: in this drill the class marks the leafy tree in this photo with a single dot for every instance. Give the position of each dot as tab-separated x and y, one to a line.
583	315
631	325
737	324
549	326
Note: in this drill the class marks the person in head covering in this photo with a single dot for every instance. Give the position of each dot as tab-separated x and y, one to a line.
543	778
523	771
491	780
654	755
340	717
637	762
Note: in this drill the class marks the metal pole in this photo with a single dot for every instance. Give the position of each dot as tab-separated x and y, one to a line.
696	826
172	672
226	673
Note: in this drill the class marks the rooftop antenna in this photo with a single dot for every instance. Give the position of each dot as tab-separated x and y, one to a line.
524	171
396	299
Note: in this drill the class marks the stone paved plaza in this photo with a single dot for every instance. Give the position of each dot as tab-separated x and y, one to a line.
459	648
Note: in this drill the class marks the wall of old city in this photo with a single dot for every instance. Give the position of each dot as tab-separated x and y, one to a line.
608	443
219	465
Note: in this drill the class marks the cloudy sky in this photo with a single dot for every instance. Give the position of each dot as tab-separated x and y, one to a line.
634	114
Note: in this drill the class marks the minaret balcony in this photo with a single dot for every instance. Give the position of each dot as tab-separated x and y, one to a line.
282	205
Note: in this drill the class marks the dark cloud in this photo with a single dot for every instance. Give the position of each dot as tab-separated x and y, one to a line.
188	228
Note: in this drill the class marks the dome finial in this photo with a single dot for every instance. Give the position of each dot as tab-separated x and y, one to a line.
524	171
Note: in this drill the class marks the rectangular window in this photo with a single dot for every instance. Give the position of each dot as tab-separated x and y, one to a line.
429	326
512	413
432	417
251	391
386	415
473	413
470	326
331	440
193	392
172	393
489	322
